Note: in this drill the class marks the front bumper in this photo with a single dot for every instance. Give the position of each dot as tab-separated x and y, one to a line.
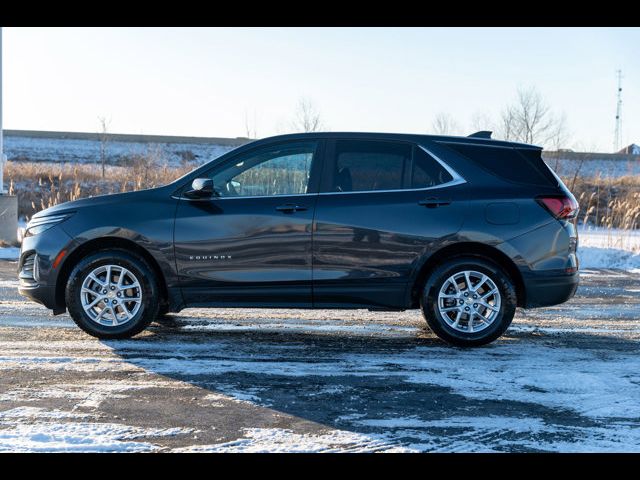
36	272
44	295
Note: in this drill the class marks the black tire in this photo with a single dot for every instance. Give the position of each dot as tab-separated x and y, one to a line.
150	302
429	301
163	310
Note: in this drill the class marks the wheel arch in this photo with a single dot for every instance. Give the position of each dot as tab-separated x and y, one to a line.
465	249
107	243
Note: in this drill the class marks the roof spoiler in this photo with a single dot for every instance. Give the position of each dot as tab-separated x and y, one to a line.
481	134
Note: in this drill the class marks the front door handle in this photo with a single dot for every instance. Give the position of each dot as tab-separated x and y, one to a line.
290	208
433	202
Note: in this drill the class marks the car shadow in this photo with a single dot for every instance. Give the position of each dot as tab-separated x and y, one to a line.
399	385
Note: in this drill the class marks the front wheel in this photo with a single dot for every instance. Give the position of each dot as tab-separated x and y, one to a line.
112	294
469	301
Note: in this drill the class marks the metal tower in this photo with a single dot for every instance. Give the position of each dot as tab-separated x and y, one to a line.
618	131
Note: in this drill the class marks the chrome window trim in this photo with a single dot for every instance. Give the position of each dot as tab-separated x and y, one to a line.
457	179
245	197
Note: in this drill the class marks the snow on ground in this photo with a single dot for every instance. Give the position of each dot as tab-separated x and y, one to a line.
478	434
565	378
9	253
596	167
609	248
34	429
610	238
77	150
279	440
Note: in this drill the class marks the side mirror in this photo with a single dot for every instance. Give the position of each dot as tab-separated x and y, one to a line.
201	188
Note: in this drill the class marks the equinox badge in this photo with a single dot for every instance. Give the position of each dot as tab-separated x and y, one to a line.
209	257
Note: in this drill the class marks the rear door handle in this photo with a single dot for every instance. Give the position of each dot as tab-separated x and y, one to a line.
291	207
434	202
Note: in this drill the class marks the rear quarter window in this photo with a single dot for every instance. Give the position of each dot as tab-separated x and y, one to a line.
511	164
427	172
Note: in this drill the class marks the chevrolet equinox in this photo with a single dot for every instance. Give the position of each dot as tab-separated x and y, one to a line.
464	228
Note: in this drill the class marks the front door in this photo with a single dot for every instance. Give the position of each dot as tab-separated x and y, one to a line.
250	244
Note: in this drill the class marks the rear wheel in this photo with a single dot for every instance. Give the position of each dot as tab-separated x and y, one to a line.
469	301
112	294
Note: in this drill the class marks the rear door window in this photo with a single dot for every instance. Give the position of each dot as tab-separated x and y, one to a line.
362	166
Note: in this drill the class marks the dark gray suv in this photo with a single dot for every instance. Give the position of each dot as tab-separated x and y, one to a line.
465	228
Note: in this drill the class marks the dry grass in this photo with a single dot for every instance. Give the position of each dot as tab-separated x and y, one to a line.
608	202
39	186
604	202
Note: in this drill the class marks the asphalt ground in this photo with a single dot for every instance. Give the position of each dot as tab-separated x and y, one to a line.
564	378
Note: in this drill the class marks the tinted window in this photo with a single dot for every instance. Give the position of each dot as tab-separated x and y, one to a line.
427	172
366	165
535	158
276	170
504	162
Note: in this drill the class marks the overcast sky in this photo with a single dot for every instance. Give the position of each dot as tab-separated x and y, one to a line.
205	81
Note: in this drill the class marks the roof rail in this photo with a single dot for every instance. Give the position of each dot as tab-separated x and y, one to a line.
481	134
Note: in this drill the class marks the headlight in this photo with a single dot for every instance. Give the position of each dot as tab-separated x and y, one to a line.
39	225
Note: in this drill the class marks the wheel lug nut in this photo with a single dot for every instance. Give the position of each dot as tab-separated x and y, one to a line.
114	302
119	294
475	305
466	309
112	287
466	294
475	296
104	292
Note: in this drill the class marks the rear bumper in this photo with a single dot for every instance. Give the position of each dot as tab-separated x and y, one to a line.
543	290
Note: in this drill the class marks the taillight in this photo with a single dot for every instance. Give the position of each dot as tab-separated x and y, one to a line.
563	207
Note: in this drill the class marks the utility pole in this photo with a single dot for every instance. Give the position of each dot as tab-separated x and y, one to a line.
618	131
1	144
8	203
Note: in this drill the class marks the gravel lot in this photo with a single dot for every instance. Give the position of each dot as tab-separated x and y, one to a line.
565	378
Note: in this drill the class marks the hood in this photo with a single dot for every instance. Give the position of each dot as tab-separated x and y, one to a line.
114	198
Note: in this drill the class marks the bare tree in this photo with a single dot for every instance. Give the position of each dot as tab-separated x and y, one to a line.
508	128
559	135
104	138
444	124
530	120
307	117
251	128
576	173
482	121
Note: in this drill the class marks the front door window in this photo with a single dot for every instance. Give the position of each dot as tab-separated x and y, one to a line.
274	170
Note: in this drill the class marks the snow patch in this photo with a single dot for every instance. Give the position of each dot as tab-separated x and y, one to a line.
596	257
593	383
18	433
609	248
9	253
278	440
504	433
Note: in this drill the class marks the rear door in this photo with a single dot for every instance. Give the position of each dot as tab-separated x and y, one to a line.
383	205
251	245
